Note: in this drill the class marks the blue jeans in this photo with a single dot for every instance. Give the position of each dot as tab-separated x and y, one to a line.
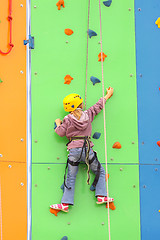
74	155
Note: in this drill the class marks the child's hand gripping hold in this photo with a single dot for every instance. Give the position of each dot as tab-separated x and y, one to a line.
109	93
58	122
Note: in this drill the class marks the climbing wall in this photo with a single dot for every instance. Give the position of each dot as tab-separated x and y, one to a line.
13	173
56	55
148	90
130	39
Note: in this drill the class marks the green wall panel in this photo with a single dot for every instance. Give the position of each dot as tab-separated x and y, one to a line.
118	42
53	58
85	217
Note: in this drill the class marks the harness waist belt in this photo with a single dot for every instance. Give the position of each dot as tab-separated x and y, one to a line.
79	138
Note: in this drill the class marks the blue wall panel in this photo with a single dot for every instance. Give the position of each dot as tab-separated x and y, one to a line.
148	94
148	79
150	201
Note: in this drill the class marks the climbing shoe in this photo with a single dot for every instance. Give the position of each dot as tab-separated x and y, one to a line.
62	207
102	200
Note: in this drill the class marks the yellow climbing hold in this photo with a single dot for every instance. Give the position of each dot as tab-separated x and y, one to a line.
158	22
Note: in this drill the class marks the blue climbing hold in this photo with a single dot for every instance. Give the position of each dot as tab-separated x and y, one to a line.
62	187
72	106
107	3
96	135
65	238
55	125
92	188
91	33
94	80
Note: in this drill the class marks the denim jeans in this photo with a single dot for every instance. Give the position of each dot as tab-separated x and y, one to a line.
74	155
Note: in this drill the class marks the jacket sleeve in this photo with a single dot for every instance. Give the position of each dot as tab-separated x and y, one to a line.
61	130
95	109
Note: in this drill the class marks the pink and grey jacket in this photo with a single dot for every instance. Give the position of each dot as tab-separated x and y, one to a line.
72	127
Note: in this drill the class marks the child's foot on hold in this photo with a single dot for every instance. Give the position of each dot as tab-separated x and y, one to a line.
63	207
102	199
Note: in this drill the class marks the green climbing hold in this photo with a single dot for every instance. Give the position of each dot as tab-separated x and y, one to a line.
1	81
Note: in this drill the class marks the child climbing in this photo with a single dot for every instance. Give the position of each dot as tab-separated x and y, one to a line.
77	127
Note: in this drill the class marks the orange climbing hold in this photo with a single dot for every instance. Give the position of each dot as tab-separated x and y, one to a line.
67	79
68	31
103	55
59	4
158	143
107	177
116	145
54	211
111	206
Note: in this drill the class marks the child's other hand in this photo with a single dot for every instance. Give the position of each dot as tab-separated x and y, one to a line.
109	93
58	122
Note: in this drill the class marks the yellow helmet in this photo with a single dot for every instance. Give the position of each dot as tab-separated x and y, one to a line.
71	102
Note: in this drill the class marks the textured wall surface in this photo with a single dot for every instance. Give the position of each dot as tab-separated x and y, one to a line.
148	92
130	40
56	55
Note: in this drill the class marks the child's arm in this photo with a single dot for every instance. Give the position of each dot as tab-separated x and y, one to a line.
61	127
95	109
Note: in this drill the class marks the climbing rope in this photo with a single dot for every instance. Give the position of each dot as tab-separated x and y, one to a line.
104	113
103	101
87	55
10	23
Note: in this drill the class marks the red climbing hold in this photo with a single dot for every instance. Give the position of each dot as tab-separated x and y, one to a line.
158	143
103	56
68	31
54	211
67	79
116	145
59	4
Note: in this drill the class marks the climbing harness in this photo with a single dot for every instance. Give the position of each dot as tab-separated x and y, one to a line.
104	113
10	23
86	147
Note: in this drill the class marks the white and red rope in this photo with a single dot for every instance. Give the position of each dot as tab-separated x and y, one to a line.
87	55
104	116
104	112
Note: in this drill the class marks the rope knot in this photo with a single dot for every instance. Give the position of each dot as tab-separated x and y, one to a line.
11	44
9	18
